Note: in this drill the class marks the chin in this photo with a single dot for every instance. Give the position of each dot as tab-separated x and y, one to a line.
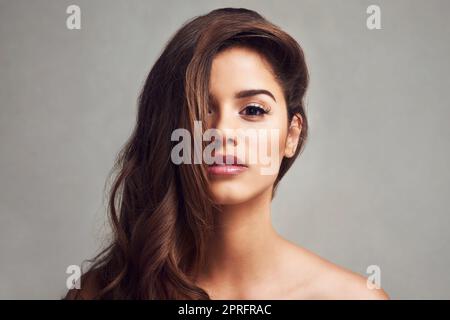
229	195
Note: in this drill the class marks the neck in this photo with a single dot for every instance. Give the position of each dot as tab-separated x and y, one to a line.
243	248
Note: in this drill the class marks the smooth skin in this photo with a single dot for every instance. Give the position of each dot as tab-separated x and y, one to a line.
247	258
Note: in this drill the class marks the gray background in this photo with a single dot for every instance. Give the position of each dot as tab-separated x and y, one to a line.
372	186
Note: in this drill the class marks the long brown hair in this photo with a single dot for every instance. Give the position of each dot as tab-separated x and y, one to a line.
161	213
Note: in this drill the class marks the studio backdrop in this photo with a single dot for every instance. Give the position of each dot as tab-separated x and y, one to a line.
370	191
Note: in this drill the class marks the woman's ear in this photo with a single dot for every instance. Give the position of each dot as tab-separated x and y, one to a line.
293	135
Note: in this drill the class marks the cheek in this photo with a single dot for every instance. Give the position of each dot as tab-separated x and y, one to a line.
269	142
282	142
274	145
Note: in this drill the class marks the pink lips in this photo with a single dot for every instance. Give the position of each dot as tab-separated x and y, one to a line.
232	168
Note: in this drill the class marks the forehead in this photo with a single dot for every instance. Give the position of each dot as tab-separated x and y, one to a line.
240	68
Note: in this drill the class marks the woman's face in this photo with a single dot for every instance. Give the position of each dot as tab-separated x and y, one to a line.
234	71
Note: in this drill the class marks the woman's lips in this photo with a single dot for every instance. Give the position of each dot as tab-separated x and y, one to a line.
226	169
230	165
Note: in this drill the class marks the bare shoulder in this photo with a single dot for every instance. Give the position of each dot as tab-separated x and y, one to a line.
322	279
336	282
88	288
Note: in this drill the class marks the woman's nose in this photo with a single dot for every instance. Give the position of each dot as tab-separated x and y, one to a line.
225	124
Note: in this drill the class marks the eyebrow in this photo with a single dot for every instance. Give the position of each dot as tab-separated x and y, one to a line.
253	92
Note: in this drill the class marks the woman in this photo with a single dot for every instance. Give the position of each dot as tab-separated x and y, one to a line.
203	230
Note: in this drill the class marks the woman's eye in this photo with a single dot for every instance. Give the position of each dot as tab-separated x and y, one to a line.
254	110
